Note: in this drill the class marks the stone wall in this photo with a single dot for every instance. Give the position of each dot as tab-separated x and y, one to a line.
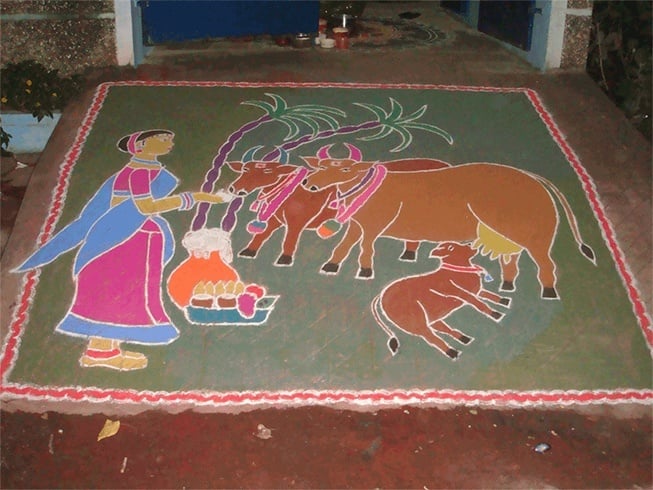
578	25
68	35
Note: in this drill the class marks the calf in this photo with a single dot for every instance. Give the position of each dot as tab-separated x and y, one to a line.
419	304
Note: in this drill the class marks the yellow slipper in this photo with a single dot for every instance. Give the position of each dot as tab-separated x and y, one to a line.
113	359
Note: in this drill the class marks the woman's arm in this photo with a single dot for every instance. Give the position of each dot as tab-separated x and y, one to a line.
185	200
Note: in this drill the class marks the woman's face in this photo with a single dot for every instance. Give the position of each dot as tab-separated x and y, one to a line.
159	144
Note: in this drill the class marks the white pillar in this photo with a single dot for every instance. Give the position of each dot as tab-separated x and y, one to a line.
124	32
556	36
129	33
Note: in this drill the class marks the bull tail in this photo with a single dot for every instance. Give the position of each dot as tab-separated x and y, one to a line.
393	341
585	249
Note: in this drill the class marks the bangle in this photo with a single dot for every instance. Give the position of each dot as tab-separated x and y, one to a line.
187	201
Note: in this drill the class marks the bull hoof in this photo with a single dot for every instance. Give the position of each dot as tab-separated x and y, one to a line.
284	260
365	273
452	353
507	286
549	293
330	268
408	256
505	301
393	345
464	339
497	315
247	252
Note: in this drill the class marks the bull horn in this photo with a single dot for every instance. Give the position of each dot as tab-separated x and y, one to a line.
283	155
354	153
323	153
248	156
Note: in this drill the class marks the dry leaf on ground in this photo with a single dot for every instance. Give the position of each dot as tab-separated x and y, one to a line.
110	428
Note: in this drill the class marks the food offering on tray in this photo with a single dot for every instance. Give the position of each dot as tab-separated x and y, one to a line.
229	303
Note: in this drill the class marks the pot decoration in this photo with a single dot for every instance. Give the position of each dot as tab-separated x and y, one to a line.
209	289
209	259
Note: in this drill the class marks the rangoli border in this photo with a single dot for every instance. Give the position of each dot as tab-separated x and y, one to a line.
376	398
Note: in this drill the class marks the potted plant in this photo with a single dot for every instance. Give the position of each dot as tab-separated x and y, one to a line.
29	91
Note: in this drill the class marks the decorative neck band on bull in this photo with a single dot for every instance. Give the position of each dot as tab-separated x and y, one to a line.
267	203
359	194
350	202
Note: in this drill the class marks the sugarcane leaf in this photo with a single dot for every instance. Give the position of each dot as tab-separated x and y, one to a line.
293	129
266	106
396	110
281	105
320	108
382	133
315	127
415	115
330	121
432	129
406	140
378	111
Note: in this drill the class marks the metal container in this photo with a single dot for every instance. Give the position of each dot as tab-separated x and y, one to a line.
301	40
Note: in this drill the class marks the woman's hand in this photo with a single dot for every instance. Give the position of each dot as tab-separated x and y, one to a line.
219	197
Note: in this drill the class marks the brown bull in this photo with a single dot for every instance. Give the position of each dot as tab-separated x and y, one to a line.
502	209
290	205
418	305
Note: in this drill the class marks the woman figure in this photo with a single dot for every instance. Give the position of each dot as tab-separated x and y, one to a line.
124	246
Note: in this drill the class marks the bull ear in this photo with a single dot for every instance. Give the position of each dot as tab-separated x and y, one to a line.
236	166
313	162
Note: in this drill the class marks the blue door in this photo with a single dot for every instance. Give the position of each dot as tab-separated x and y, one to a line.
458	6
182	20
510	21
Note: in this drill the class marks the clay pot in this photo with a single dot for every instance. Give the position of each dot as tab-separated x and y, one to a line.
193	270
341	36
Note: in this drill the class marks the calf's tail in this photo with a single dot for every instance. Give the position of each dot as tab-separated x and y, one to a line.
393	341
585	249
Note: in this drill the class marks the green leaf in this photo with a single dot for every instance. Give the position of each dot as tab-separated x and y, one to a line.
395	109
380	113
315	127
330	121
382	133
406	140
433	129
415	115
293	129
320	108
280	101
266	106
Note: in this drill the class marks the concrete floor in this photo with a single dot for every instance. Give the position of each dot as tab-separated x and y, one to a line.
616	156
